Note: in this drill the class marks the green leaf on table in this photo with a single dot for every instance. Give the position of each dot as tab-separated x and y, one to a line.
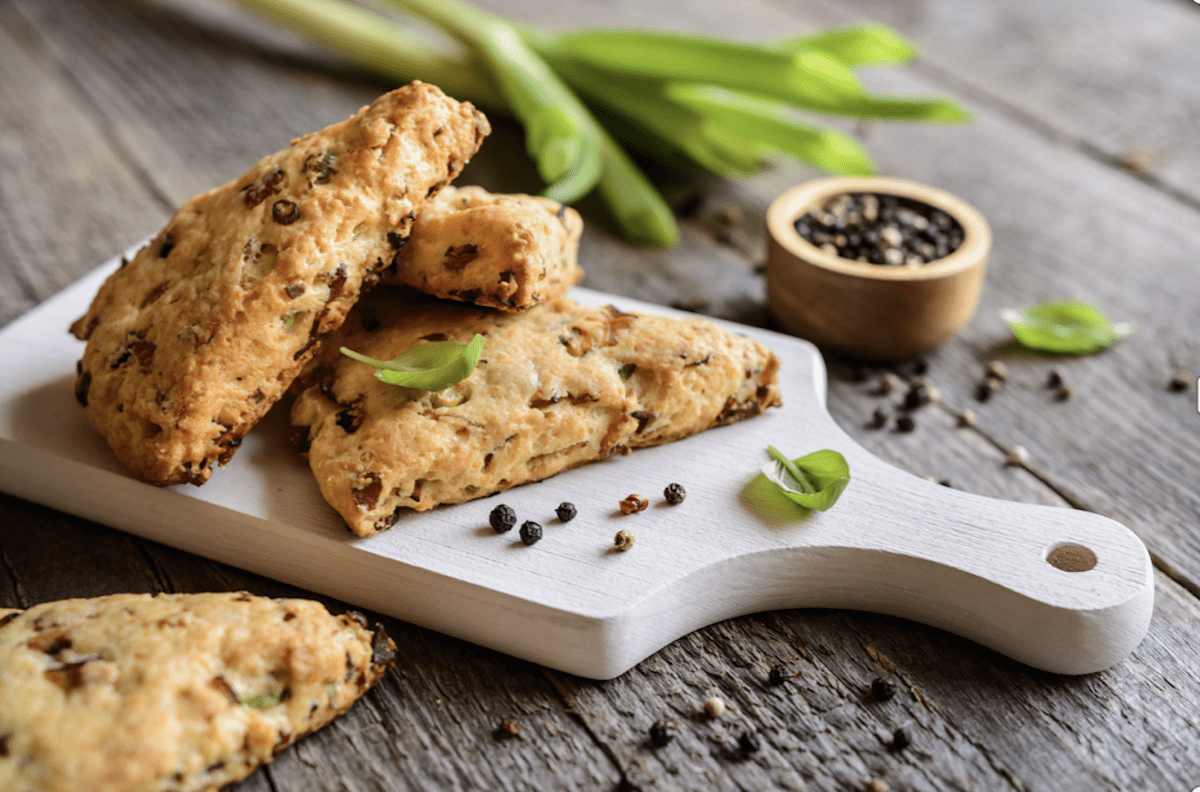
859	45
814	481
432	366
1067	327
774	124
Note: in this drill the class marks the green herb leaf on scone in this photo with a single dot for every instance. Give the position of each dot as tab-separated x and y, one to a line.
432	366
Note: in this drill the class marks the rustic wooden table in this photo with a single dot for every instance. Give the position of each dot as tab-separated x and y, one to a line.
1084	155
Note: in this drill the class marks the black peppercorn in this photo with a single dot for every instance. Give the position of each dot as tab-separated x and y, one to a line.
1054	379
508	729
1180	382
778	675
879	418
918	396
531	532
565	511
502	518
900	740
749	742
663	731
882	689
905	423
674	493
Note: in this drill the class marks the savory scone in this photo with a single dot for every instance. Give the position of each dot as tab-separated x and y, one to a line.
505	251
556	387
181	692
191	341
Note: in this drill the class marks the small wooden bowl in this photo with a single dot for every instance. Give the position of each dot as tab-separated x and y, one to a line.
868	310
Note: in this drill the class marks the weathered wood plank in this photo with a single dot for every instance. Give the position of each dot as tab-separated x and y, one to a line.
1116	81
67	200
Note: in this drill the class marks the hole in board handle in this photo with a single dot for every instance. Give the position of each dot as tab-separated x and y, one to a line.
1071	557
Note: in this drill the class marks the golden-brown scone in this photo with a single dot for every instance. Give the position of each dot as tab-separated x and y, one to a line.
192	341
181	692
509	252
556	387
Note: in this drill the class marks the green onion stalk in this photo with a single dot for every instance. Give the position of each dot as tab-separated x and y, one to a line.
726	106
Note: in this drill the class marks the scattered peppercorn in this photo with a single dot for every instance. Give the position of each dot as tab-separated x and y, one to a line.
987	388
623	540
966	417
920	394
508	729
997	369
945	483
663	731
674	493
883	689
531	532
905	423
633	503
879	418
1180	382
714	707
1018	456
920	366
565	511
502	518
900	740
749	742
1064	393
1055	378
887	384
778	674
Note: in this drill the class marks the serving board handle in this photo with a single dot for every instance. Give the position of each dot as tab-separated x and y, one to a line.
1060	589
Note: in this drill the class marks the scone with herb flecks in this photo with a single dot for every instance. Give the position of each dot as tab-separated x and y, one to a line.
190	342
556	387
180	692
509	252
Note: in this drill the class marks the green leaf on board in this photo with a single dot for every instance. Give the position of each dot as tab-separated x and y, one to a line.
814	481
432	366
1066	327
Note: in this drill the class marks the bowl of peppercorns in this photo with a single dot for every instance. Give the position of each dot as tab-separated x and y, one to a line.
874	267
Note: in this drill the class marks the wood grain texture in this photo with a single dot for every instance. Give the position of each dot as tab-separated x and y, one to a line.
978	721
1116	82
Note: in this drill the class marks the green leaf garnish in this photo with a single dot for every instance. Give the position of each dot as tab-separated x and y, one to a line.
814	481
626	371
1067	327
263	700
432	366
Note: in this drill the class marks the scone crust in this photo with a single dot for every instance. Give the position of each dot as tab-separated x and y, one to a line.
509	252
191	341
556	387
133	692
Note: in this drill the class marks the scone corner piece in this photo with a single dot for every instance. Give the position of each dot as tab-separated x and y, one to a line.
508	252
557	387
188	692
193	339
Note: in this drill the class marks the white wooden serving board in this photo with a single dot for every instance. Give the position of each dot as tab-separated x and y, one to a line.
895	543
